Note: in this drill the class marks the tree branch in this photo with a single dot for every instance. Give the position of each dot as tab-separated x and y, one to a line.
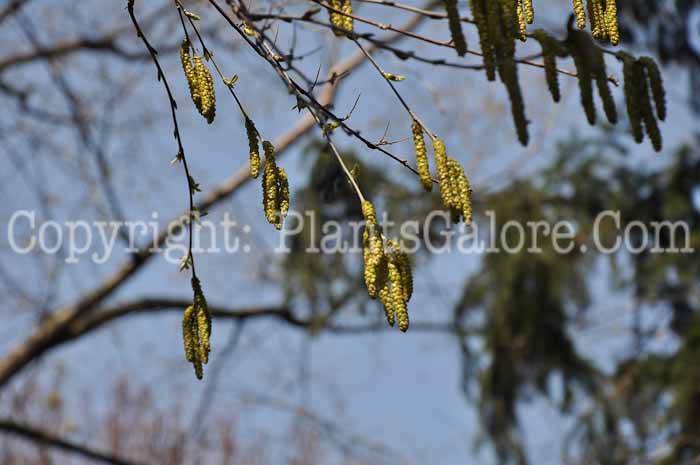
36	435
49	332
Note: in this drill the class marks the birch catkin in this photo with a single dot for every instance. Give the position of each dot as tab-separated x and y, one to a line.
253	147
421	156
455	24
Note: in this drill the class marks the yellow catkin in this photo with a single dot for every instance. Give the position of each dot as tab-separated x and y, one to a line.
398	301
442	171
611	22
385	299
403	266
455	24
373	250
597	19
346	6
421	156
187	339
461	189
253	147
336	19
579	13
529	11
283	191
196	330
522	22
205	83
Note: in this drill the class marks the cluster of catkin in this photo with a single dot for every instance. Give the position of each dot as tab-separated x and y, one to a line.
500	24
275	186
454	185
200	82
602	15
387	270
341	21
642	76
196	330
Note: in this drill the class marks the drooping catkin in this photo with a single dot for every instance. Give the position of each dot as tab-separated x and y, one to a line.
346	7
632	90
421	156
253	147
529	11
443	173
196	330
610	14
373	250
340	21
648	117
549	56
508	70
479	13
601	76
207	105
199	81
656	85
275	187
461	190
455	25
596	18
522	22
579	13
398	303
580	43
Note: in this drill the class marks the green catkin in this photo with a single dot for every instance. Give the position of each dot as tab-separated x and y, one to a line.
455	25
421	156
493	16
648	114
630	72
611	22
580	43
253	147
403	265
601	76
579	13
478	10
550	62
656	85
509	19
509	75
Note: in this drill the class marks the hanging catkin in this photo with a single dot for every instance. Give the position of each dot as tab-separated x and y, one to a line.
421	156
455	25
253	147
200	82
196	330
